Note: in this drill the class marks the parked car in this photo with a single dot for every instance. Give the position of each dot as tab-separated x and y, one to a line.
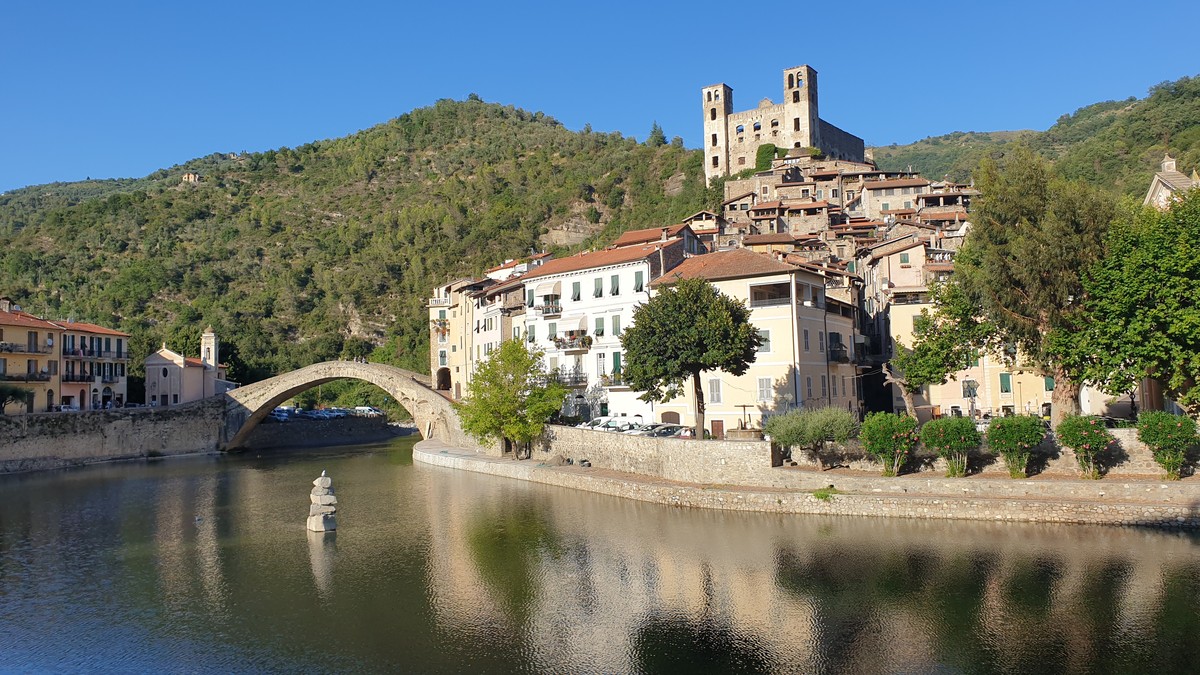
616	424
594	423
665	430
367	411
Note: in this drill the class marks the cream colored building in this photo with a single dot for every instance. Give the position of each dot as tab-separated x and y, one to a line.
451	316
172	378
1168	183
808	354
95	364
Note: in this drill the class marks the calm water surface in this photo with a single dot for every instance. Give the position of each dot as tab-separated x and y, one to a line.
204	565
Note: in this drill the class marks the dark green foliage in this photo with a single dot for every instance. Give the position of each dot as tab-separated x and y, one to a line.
889	438
1088	438
292	252
1169	437
656	137
1141	304
1027	222
953	439
1014	439
684	330
763	156
11	394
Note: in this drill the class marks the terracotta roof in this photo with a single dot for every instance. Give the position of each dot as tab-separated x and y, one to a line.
823	174
772	238
732	264
895	183
25	320
649	234
767	205
899	212
192	362
944	215
518	261
610	256
807	205
739	197
90	328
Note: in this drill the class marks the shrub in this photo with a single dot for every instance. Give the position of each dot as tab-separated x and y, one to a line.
953	439
1168	437
1087	437
808	429
889	438
1014	439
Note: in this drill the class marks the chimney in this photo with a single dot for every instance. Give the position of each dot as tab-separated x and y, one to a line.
1168	163
663	236
5	304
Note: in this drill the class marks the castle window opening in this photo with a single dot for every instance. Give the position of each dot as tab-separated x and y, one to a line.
710	96
714	140
741	128
795	96
741	161
758	126
796	126
774	123
712	114
791	81
716	161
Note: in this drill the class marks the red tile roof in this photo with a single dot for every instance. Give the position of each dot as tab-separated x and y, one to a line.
738	198
649	234
733	264
772	238
25	320
518	261
611	256
767	205
83	327
807	205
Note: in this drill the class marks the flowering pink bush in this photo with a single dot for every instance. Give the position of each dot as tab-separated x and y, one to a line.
1168	437
1087	437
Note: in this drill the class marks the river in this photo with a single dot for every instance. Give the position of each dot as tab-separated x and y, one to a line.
202	564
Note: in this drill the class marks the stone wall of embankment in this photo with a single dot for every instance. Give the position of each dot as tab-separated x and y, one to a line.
905	497
56	440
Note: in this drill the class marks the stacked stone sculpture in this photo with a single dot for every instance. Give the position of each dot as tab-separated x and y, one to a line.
324	505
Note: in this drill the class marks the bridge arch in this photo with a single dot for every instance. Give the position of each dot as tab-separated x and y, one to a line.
246	406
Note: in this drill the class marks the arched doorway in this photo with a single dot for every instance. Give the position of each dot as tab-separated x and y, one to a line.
443	379
95	399
670	418
106	397
49	400
82	402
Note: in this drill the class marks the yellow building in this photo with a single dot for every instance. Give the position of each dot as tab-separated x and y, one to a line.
172	378
807	354
29	358
95	364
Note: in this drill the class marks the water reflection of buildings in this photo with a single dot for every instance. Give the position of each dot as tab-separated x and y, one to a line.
808	593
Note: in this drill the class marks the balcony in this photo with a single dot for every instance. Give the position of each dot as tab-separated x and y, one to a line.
574	344
770	302
72	377
568	378
95	354
26	377
439	302
614	381
548	310
18	348
839	354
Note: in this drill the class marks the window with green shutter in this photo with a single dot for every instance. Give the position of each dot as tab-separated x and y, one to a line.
616	363
599	326
616	285
1005	383
1049	384
552	331
575	292
616	321
638	282
599	290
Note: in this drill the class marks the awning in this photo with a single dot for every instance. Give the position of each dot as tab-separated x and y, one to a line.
573	322
548	288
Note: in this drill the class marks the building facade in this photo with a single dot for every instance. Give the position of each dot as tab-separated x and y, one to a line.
29	359
173	379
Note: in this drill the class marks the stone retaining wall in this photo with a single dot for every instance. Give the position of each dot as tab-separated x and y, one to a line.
55	440
304	433
913	502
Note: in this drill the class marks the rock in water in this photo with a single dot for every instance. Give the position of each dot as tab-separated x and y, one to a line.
324	505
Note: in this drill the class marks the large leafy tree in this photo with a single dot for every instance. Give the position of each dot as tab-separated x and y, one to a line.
1143	303
684	330
509	398
943	342
1022	263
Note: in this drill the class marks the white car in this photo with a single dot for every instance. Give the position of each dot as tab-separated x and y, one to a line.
594	423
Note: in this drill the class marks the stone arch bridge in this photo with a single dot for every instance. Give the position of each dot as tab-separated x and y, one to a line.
248	405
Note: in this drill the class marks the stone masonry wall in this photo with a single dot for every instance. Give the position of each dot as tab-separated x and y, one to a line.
56	440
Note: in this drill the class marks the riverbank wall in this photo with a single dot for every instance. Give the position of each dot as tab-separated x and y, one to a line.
56	440
304	433
749	476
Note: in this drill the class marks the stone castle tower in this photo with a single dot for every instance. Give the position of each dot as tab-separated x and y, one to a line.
210	348
732	139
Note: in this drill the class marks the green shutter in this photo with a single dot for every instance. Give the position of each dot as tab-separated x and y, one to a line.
638	286
616	363
1005	383
1049	384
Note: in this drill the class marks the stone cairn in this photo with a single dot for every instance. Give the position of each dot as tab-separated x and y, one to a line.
324	505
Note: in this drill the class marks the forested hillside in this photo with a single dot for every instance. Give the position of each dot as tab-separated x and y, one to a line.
1116	145
329	249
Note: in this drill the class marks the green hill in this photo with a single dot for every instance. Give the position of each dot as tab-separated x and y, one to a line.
1116	145
329	249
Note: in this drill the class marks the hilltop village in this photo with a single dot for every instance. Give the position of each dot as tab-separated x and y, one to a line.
833	256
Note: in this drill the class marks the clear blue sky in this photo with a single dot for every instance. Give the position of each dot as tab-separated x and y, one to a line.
119	89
